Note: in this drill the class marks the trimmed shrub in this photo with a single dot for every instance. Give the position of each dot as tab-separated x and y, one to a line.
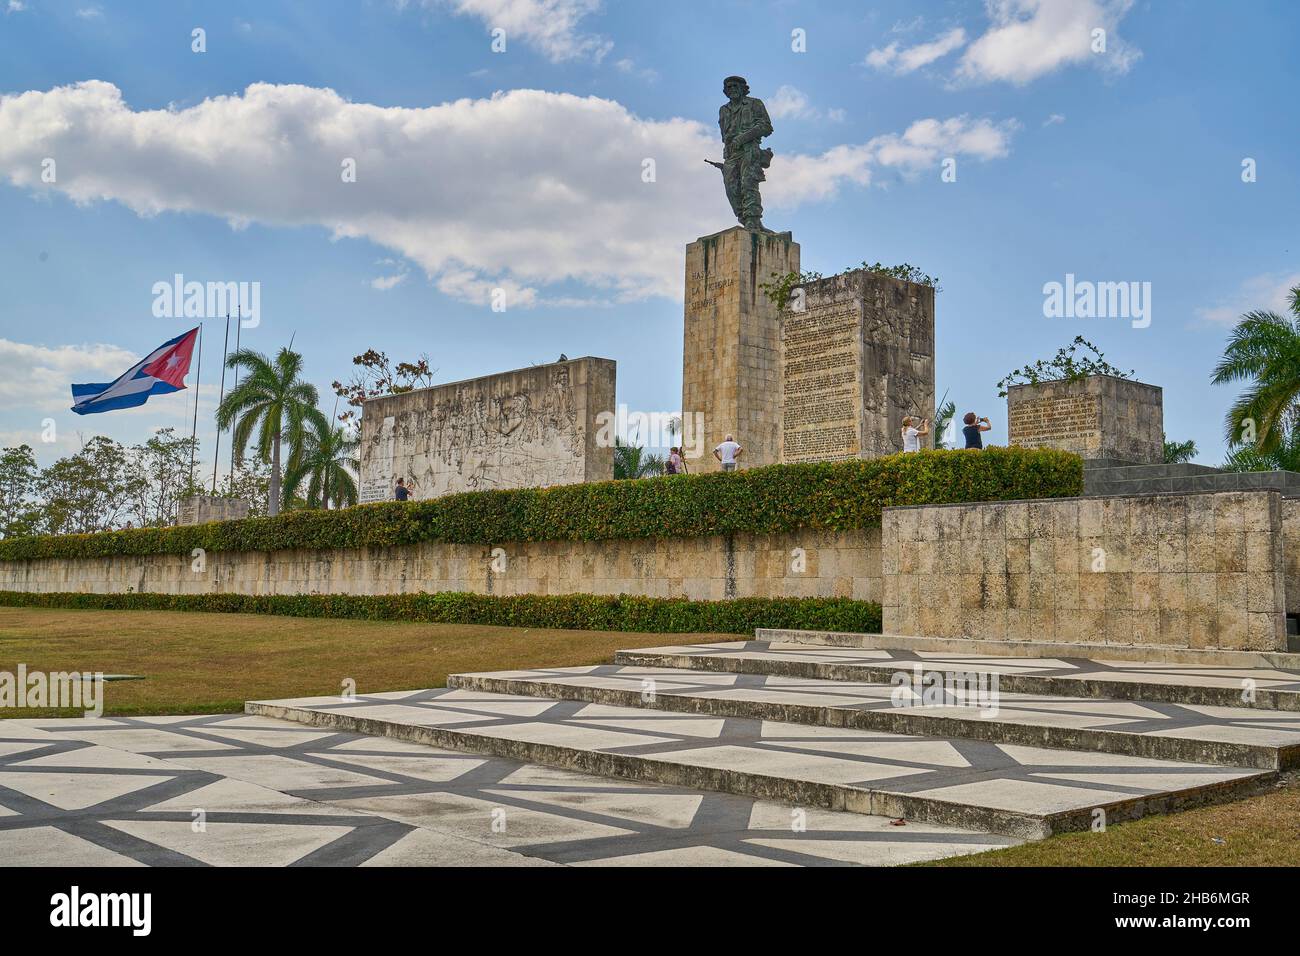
588	612
836	496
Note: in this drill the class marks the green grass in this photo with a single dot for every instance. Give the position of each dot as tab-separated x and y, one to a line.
204	663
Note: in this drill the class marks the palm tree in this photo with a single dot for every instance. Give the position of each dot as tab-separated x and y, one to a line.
326	460
631	461
274	401
942	419
1265	350
1177	452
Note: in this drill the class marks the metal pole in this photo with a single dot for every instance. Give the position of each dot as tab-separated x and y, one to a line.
239	324
194	429
216	450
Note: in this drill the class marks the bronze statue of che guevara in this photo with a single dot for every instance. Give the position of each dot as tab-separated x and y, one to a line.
743	121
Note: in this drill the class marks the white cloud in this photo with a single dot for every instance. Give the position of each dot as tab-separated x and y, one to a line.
628	66
384	283
15	6
1031	38
517	191
90	13
550	26
903	60
791	103
921	146
1268	292
1054	120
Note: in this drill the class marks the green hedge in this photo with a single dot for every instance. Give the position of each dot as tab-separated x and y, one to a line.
588	612
835	496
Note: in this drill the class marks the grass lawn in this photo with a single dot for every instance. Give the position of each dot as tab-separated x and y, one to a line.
196	663
1259	831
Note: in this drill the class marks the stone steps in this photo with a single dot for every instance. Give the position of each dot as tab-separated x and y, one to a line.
1235	737
1261	687
1017	790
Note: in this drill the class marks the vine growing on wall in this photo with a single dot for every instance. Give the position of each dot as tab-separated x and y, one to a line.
781	289
1067	366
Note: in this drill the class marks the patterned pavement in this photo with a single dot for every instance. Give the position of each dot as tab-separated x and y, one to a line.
242	790
978	779
753	655
843	698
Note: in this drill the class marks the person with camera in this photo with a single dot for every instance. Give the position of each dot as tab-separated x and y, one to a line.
974	426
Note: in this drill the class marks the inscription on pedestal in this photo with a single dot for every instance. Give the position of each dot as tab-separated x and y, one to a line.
821	400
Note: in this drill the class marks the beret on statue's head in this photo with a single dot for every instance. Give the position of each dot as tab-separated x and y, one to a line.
736	79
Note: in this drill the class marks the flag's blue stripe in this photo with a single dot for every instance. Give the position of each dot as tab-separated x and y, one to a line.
122	401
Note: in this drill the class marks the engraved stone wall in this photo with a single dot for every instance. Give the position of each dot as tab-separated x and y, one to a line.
857	356
1100	416
528	428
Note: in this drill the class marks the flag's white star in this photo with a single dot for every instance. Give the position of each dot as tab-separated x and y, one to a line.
173	361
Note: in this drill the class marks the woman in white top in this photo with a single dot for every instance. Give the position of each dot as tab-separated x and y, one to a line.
912	434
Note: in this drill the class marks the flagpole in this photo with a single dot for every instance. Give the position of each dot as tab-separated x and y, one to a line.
239	324
194	429
216	451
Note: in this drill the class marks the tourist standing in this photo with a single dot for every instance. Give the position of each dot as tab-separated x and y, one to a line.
912	433
676	464
728	452
401	492
973	427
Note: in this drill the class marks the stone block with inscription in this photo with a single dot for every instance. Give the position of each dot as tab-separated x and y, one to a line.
200	509
731	344
857	355
1099	416
531	427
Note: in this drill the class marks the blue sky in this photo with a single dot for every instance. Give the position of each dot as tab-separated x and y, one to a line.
1122	165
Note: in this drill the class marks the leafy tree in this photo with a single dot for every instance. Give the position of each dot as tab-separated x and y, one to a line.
1264	350
158	477
1065	367
19	512
250	480
376	375
326	462
272	400
1177	452
631	461
87	491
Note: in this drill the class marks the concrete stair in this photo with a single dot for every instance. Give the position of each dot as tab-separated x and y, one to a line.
833	727
1107	476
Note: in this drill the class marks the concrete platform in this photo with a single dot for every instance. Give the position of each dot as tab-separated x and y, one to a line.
234	790
1267	740
1266	688
1011	789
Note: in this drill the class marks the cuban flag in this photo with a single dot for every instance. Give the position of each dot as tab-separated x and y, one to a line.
162	370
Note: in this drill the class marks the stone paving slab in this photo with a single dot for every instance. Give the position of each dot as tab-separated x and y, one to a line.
1267	740
124	791
1266	688
1022	791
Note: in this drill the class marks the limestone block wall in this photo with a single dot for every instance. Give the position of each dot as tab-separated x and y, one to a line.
1194	570
1291	555
857	355
830	564
731	341
1100	416
527	428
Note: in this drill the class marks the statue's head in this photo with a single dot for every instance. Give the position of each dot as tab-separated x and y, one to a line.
735	87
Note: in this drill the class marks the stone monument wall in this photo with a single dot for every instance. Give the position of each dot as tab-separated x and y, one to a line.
1100	416
531	427
731	342
1201	570
857	356
200	509
835	564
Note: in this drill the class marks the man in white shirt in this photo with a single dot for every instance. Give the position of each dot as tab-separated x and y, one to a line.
727	453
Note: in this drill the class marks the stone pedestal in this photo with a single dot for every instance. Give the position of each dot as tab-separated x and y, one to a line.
857	356
731	356
1100	416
